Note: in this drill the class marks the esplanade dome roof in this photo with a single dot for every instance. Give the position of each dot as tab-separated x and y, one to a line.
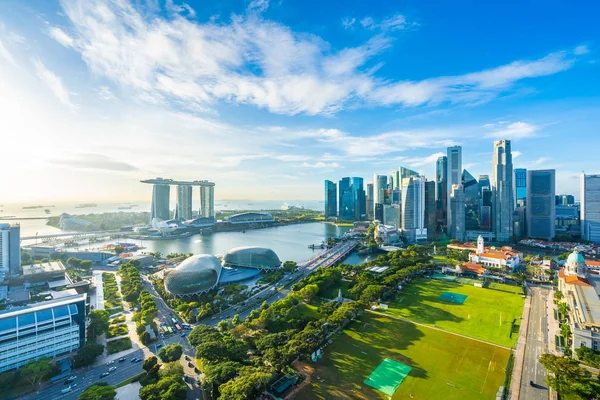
196	274
251	257
575	258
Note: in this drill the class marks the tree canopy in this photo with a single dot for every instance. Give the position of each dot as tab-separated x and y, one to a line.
171	352
98	391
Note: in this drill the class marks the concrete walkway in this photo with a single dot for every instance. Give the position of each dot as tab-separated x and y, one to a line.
99	290
515	384
437	329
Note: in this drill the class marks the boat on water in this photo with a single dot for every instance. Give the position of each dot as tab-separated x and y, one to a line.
86	205
47	211
32	207
125	208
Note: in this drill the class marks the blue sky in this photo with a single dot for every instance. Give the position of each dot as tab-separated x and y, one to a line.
268	98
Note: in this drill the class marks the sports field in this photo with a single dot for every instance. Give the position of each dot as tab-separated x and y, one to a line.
444	366
486	314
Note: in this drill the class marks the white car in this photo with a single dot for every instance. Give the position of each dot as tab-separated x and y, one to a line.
111	369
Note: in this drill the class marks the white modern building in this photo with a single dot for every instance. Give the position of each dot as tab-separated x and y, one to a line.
502	188
413	208
47	329
590	207
10	249
379	188
387	234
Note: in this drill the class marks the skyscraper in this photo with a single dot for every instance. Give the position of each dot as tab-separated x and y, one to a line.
370	204
485	219
590	207
454	167
472	209
395	181
541	208
10	249
161	196
441	194
359	198
207	201
330	199
502	189
343	187
183	210
456	213
520	189
380	183
430	209
392	215
413	208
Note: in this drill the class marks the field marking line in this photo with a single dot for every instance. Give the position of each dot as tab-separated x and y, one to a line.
488	371
463	357
437	329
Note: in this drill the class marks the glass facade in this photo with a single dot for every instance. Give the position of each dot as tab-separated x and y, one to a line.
46	329
472	210
251	257
353	205
590	207
520	186
541	207
161	195
196	274
183	210
207	202
441	194
330	199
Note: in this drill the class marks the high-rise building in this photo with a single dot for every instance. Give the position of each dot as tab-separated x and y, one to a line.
406	173
565	200
395	181
456	213
343	206
502	189
370	204
161	196
380	183
430	209
454	167
353	205
520	188
207	201
485	218
541	209
413	208
472	209
441	195
330	199
484	182
44	329
520	222
10	249
590	207
392	215
183	210
379	212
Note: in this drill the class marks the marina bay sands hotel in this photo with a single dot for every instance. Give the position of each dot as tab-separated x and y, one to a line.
161	196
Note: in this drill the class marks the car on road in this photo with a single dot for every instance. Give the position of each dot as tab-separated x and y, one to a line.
196	370
110	362
122	359
104	374
190	365
67	390
183	335
531	383
111	369
70	379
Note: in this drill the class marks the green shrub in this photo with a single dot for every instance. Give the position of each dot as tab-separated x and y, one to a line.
118	345
117	330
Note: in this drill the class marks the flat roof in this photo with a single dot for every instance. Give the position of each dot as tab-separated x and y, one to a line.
378	270
69	299
589	306
51	266
161	181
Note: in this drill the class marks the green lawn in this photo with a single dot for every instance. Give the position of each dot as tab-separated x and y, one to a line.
308	310
486	314
445	366
332	293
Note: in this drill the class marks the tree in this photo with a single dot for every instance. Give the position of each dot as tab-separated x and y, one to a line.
171	369
565	330
236	319
98	391
25	257
73	262
558	296
149	363
87	354
119	249
565	373
170	388
202	333
245	387
35	371
99	322
86	264
145	337
217	374
372	293
308	292
171	352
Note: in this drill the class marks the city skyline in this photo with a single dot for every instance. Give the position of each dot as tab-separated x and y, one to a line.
356	100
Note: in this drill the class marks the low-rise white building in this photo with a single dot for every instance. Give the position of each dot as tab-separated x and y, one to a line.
387	234
580	291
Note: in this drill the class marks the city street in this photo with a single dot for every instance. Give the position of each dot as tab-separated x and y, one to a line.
536	345
124	371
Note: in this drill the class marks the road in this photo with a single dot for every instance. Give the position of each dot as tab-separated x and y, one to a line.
536	345
323	260
124	371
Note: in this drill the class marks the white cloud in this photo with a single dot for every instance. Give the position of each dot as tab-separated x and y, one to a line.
423	161
321	164
258	5
516	154
250	60
6	55
581	50
105	93
60	36
348	23
515	130
15	37
55	84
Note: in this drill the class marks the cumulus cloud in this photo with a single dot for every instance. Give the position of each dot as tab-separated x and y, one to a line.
581	50
321	164
423	161
54	83
251	60
515	130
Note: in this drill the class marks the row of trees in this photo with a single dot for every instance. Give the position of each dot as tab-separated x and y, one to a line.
568	378
145	316
131	284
